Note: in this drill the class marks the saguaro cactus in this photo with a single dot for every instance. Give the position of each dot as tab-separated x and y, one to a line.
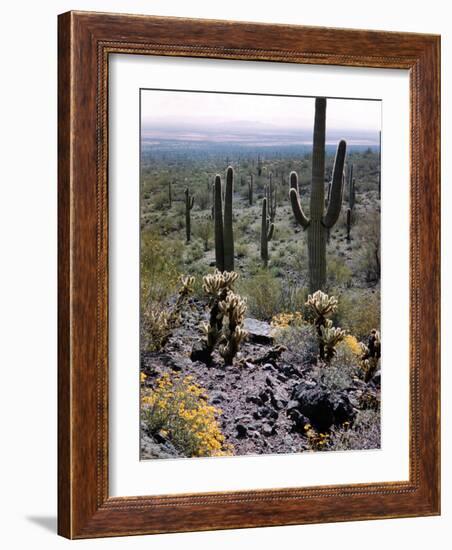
259	166
224	234
318	223
170	194
270	193
351	189
349	223
189	201
250	190
267	228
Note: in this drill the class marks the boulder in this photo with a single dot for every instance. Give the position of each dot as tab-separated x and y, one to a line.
200	353
322	407
259	332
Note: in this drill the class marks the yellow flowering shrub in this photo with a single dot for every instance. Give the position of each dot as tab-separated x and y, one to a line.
352	344
178	408
317	441
285	320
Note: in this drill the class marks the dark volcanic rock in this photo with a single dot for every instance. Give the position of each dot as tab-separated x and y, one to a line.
268	430
200	353
242	431
321	407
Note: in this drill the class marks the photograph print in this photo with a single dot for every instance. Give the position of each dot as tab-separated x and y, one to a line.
259	274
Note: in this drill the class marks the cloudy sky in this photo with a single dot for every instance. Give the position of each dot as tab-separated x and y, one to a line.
201	116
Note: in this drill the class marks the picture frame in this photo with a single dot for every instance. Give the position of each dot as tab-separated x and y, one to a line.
86	40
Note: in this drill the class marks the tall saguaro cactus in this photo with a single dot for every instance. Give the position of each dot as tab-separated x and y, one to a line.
170	193
224	234
250	190
267	228
351	189
318	223
349	223
189	201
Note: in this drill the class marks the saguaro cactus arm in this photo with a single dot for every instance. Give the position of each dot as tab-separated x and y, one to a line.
270	231
294	195
337	186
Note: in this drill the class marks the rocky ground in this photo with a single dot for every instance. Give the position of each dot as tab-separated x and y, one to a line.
266	398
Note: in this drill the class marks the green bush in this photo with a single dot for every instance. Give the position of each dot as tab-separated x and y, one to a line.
263	292
338	272
161	262
194	252
365	433
160	201
300	340
358	312
241	250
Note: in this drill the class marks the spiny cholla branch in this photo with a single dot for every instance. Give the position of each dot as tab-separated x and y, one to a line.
227	314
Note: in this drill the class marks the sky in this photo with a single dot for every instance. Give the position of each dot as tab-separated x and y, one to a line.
220	117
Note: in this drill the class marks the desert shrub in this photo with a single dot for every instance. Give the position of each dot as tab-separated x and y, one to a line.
339	373
300	340
159	320
291	248
293	297
160	201
299	259
160	267
337	376
282	232
286	320
263	292
241	250
338	272
365	433
204	231
177	408
359	312
194	252
369	261
317	441
203	199
351	344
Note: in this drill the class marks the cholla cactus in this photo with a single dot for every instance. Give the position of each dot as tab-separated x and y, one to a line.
233	311
186	282
227	314
371	354
330	336
322	305
218	282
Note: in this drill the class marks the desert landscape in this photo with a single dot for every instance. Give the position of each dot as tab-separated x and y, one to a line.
260	294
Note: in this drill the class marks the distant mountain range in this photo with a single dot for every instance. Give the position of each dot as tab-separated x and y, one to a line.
256	135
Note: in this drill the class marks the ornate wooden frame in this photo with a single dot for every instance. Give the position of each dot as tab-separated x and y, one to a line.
85	42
